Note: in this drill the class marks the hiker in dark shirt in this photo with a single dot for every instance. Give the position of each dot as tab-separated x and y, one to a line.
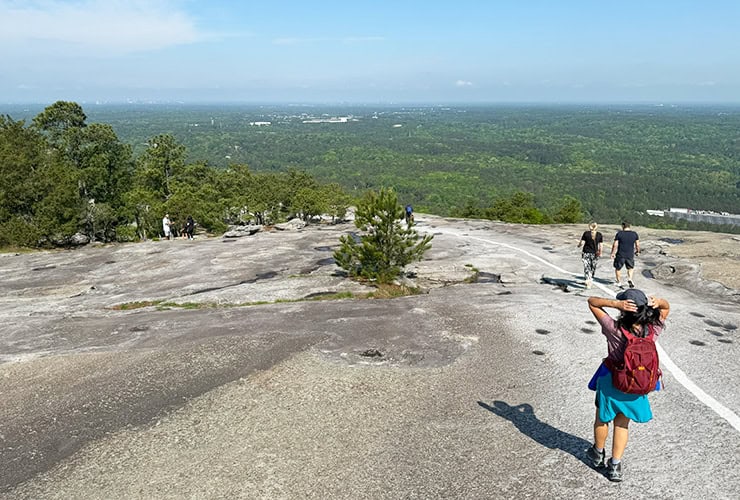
626	246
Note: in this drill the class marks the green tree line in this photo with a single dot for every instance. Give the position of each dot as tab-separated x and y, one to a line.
60	176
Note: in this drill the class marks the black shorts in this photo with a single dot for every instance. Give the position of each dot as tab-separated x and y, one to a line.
621	261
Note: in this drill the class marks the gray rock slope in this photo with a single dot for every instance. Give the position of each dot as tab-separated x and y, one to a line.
205	369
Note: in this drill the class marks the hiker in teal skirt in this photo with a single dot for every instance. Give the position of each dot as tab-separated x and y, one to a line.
637	312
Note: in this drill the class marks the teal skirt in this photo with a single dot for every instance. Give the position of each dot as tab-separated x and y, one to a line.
611	401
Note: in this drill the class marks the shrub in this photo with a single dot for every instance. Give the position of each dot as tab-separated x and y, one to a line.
19	232
387	244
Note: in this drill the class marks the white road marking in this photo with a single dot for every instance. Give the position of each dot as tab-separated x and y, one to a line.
731	417
720	409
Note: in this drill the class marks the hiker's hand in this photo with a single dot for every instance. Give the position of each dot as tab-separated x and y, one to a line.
626	305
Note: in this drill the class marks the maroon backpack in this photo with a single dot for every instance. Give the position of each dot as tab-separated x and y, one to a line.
639	371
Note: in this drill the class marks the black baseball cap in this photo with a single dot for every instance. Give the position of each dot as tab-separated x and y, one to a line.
635	295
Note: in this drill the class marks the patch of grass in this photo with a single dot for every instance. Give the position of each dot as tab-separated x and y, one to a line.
334	296
391	290
186	305
255	303
473	277
136	305
14	249
384	291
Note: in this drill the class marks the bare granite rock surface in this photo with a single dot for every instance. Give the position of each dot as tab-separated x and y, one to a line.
209	369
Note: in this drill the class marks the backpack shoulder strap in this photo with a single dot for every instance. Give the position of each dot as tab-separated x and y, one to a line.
650	332
627	334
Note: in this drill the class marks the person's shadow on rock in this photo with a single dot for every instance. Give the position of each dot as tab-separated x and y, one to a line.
523	417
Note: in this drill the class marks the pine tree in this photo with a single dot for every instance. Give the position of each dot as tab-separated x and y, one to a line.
386	246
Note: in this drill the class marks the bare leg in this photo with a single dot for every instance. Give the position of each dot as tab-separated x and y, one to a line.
617	275
601	432
621	433
629	274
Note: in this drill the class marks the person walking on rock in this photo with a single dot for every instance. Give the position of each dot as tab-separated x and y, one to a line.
640	316
592	242
626	246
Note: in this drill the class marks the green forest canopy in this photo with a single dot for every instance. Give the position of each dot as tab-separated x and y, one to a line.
616	160
550	163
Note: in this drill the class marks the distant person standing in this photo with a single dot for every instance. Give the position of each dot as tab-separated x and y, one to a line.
592	242
166	226
626	246
409	215
189	227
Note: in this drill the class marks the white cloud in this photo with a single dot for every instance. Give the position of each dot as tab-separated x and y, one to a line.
463	83
95	26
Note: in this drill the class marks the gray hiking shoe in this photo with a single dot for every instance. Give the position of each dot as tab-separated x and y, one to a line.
595	458
614	471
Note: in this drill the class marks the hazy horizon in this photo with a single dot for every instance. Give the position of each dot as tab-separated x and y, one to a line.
89	106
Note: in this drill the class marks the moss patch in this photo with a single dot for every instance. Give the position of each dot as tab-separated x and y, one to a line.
136	305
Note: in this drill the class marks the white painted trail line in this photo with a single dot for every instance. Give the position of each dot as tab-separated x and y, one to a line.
720	409
731	417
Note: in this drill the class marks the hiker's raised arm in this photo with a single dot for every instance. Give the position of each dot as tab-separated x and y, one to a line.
622	305
662	305
597	305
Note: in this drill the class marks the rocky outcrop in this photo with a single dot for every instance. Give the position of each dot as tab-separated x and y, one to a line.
239	231
76	240
291	225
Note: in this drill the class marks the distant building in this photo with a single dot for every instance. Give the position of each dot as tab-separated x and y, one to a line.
708	216
336	119
259	124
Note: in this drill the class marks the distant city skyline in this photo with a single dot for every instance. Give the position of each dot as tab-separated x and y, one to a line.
462	52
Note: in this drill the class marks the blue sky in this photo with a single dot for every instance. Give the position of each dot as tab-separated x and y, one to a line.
357	51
